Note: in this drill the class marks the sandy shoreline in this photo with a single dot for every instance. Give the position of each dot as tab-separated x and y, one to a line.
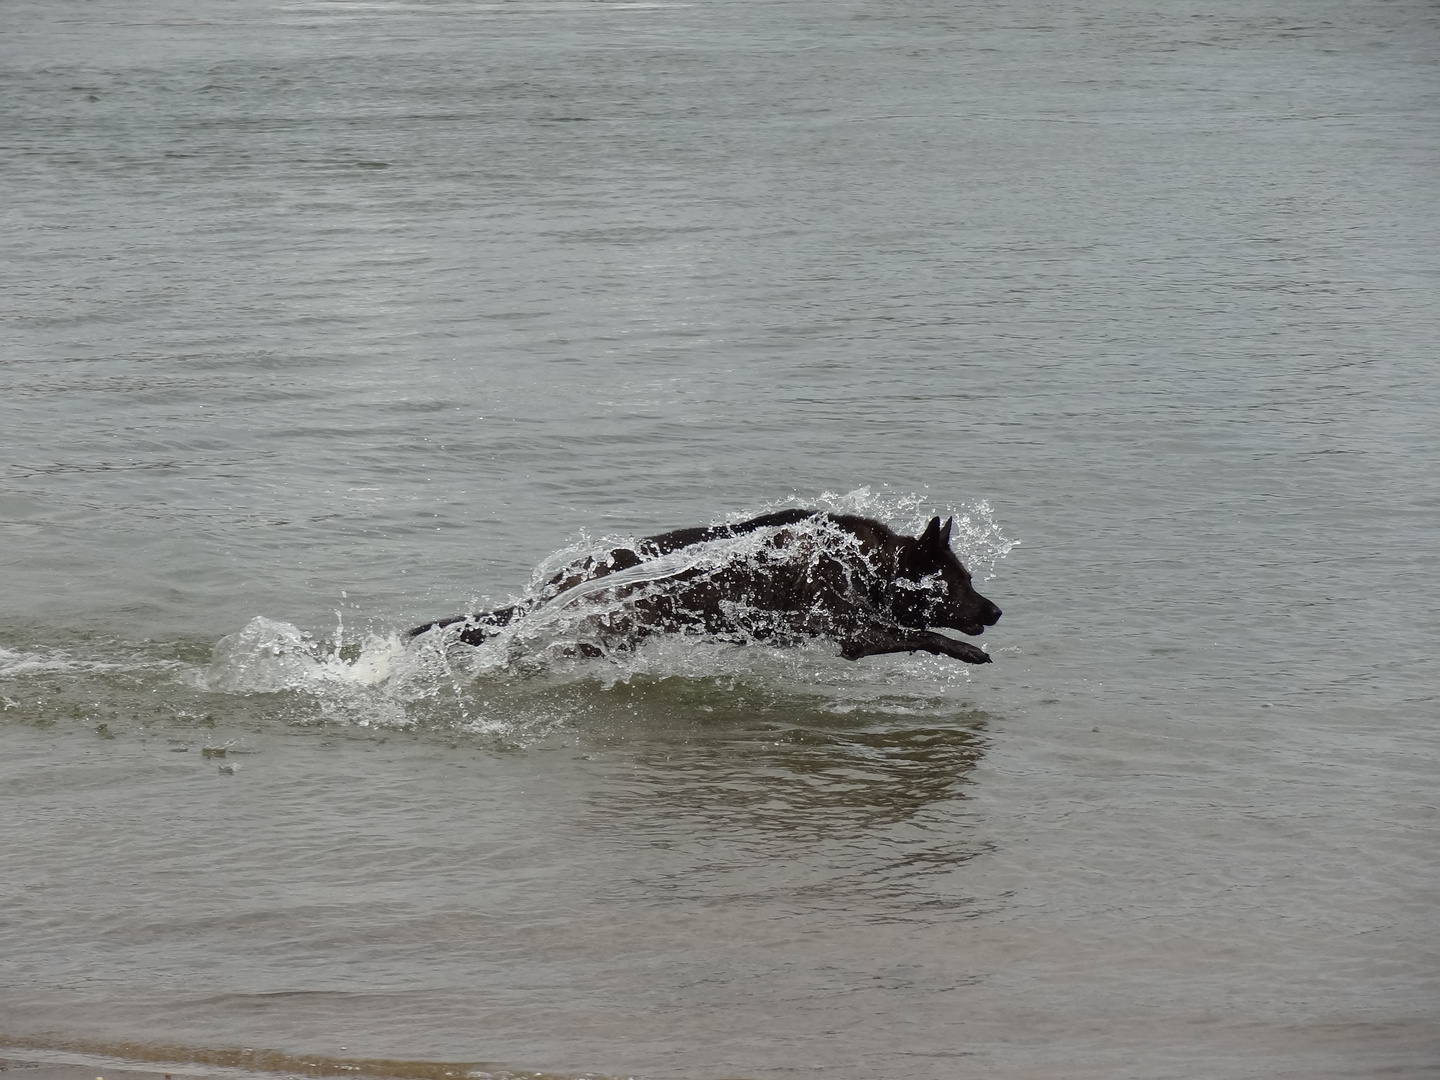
132	1061
27	1070
23	1067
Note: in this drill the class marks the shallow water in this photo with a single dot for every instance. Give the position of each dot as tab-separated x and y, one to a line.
324	319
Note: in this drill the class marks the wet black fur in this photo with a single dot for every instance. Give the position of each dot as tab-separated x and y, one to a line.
881	593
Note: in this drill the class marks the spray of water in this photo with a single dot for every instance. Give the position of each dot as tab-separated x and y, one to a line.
564	638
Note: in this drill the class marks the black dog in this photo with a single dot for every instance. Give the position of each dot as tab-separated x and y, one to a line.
847	578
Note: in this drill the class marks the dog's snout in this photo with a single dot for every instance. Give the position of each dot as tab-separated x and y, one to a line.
989	614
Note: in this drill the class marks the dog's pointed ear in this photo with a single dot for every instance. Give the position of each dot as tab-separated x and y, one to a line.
930	538
945	533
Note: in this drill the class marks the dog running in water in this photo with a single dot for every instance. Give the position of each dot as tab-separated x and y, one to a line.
846	578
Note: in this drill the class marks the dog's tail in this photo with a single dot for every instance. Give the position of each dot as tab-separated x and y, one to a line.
477	627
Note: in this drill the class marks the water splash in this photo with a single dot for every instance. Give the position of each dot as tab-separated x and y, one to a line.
976	537
529	675
374	681
268	656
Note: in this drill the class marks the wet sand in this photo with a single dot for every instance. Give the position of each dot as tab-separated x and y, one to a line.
19	1069
189	1063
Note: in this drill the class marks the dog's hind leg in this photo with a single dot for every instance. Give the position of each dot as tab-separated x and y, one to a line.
878	640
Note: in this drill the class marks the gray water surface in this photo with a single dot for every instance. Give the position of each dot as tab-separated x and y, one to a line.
323	319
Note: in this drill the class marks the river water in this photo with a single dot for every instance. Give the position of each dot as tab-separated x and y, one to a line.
325	318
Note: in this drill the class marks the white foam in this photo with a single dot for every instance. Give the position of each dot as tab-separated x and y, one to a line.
14	664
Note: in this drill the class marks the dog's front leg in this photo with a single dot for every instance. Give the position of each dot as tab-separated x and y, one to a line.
877	640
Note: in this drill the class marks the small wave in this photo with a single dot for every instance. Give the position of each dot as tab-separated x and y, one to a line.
49	662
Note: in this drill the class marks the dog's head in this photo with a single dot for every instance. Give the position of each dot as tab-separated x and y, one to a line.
934	589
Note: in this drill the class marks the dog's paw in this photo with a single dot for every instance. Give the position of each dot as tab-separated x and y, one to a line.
963	650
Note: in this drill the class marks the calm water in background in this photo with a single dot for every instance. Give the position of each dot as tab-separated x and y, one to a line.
347	315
